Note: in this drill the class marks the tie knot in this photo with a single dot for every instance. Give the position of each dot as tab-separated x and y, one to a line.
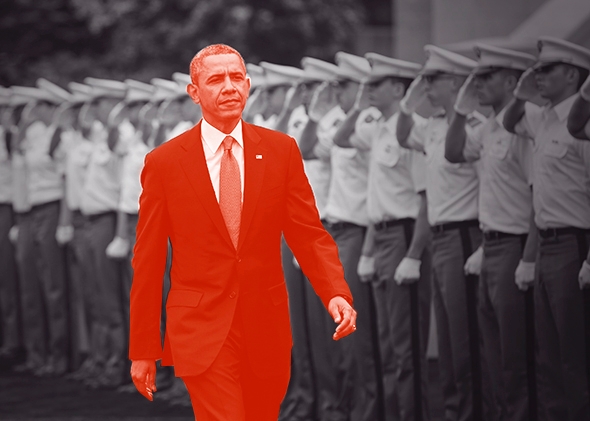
227	143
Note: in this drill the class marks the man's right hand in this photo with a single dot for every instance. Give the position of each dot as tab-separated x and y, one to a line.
322	101
526	88
467	98
414	96
366	268
143	374
362	98
585	90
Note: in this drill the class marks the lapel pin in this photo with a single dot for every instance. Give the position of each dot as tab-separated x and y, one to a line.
258	156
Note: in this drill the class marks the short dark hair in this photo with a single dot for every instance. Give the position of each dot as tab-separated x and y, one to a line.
211	50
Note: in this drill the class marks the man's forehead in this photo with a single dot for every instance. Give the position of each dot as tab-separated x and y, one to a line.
222	62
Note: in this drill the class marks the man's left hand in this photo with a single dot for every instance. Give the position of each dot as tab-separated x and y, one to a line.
344	315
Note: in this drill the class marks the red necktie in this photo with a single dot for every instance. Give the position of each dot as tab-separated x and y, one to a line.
230	191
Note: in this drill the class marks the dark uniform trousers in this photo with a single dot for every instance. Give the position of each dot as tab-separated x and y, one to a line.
560	314
502	320
401	321
362	348
43	288
466	386
9	296
77	283
299	402
107	293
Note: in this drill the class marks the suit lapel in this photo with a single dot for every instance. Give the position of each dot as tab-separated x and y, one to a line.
254	165
195	167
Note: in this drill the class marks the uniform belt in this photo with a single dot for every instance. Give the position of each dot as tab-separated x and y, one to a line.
45	205
454	225
393	223
556	232
498	235
96	216
340	225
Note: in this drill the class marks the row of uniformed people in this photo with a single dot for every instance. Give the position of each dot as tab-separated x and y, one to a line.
489	215
70	177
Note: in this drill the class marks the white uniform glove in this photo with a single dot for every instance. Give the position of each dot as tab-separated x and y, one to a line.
64	234
414	96
13	234
473	264
524	276
366	268
118	248
585	90
584	275
467	97
408	271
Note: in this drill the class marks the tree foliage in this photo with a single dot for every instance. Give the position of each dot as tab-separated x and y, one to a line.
65	40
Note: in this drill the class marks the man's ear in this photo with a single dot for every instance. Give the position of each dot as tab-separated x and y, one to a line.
193	92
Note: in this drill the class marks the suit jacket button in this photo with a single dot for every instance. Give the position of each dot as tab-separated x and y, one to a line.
232	295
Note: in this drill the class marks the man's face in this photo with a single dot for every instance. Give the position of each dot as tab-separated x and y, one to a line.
491	87
439	88
222	87
552	80
346	91
381	93
307	91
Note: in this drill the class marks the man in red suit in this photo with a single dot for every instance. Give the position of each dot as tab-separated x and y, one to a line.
223	193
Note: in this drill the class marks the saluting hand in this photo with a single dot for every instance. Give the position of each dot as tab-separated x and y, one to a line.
467	97
294	97
585	90
526	88
322	101
143	374
362	97
344	315
414	96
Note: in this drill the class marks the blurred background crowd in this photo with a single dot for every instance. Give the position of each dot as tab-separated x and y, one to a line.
434	235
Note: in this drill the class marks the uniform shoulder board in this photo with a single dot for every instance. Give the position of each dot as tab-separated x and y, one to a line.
475	119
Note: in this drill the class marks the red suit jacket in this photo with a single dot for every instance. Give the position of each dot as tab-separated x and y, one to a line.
210	279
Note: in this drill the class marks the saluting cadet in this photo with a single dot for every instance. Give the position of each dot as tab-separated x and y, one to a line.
333	361
98	203
40	259
398	233
505	207
69	235
561	200
452	197
78	149
578	123
9	298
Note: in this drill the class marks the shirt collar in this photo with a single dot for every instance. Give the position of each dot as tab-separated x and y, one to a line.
213	137
500	117
562	109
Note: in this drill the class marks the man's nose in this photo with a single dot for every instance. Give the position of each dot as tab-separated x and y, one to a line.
228	85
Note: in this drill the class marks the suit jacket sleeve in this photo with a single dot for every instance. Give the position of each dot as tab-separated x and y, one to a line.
149	265
312	245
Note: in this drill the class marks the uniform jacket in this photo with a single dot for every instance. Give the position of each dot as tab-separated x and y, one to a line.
210	279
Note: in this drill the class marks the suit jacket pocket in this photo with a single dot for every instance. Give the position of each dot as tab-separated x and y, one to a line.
183	298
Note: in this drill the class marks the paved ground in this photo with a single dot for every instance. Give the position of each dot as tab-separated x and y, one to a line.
25	397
